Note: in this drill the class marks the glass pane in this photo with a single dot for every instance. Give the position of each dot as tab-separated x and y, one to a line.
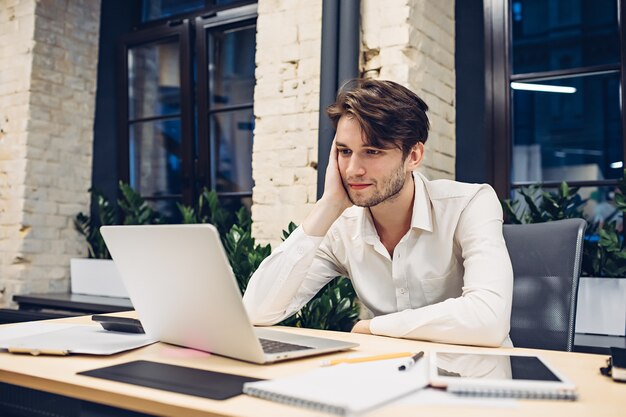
231	69
158	9
153	80
167	209
233	204
563	34
572	134
231	132
598	206
155	157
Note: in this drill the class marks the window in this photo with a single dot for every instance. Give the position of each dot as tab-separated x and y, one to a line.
225	99
556	87
187	117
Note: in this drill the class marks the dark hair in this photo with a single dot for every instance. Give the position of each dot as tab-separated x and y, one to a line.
388	113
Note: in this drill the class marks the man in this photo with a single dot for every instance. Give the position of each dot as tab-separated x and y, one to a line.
426	257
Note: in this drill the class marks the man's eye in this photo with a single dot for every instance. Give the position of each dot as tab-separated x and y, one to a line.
373	152
345	151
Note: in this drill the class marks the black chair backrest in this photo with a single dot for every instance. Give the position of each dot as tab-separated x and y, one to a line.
546	260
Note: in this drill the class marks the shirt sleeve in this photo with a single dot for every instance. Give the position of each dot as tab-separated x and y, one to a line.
481	315
288	278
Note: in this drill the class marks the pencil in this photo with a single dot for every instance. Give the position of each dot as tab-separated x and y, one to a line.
37	352
368	358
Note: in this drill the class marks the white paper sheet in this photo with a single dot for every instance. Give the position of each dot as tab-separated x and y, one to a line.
41	337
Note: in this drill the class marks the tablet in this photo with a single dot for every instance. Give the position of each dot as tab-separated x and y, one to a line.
498	375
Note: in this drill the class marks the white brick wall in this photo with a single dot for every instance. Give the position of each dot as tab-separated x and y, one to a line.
48	62
286	105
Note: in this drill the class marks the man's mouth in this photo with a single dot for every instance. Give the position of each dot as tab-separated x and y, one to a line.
357	186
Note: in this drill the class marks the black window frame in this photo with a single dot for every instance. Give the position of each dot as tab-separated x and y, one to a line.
198	169
498	76
207	161
174	30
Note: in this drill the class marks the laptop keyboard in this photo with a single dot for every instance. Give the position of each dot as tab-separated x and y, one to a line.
274	346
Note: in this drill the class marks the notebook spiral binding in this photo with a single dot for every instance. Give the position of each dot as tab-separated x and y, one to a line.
288	400
504	393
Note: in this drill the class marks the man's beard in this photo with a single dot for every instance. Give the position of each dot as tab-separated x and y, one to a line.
392	185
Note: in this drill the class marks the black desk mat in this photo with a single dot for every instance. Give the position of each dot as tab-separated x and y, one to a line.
180	379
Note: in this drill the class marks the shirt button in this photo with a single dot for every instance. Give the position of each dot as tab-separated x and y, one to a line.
402	290
300	250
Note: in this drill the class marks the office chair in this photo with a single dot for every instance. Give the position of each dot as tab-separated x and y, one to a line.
546	260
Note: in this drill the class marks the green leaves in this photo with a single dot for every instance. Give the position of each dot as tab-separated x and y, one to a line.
135	210
90	228
290	228
333	308
543	206
187	214
604	252
210	211
243	253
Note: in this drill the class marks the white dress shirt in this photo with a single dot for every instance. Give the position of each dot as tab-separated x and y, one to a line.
449	280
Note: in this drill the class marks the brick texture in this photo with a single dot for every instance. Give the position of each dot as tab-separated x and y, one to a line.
48	63
286	106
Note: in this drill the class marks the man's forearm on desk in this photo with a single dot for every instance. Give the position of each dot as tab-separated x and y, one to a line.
464	320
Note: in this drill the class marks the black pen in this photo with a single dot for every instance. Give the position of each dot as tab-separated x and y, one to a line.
411	361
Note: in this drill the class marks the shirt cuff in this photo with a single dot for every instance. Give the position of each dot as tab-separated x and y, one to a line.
387	325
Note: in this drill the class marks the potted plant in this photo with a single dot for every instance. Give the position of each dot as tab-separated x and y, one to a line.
601	307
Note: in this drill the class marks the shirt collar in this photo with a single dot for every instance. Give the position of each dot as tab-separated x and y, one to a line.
421	217
366	226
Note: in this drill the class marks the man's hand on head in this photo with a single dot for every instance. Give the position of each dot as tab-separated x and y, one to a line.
333	202
362	326
334	190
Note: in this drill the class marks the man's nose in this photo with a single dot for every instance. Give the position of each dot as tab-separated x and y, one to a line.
355	167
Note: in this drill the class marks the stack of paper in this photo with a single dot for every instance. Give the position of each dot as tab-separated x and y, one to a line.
62	339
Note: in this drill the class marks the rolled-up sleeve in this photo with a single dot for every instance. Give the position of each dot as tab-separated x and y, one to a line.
289	278
481	315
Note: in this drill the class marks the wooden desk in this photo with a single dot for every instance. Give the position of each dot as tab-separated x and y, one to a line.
599	396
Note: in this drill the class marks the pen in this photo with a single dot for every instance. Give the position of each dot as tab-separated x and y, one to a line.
411	361
367	358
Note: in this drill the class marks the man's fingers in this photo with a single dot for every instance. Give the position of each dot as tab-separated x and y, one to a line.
332	157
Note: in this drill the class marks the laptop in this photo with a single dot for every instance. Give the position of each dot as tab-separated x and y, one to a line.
185	293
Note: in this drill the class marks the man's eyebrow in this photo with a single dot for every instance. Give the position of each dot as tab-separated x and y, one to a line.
340	144
380	148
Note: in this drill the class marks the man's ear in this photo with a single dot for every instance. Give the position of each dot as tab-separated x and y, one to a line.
415	157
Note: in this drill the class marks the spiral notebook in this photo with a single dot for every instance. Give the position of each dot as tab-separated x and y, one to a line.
499	375
346	389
